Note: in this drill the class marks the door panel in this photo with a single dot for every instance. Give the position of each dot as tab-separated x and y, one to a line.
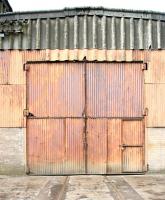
56	101
56	90
133	159
55	146
97	146
114	90
133	145
114	164
125	146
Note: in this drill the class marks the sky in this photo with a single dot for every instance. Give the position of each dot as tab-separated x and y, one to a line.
26	5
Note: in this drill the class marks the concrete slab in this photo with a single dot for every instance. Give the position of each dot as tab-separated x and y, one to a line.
88	187
148	186
83	187
120	189
30	188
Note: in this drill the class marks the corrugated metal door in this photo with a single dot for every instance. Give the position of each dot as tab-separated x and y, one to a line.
132	146
114	93
56	100
83	118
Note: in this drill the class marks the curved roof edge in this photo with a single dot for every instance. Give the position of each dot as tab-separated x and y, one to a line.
99	11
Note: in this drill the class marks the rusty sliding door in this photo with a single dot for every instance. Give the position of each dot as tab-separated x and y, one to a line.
82	118
55	126
114	92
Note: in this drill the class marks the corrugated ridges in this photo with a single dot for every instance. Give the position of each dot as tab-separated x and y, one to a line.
12	102
4	67
156	70
155	98
55	146
88	32
97	146
114	90
133	157
56	90
114	159
5	6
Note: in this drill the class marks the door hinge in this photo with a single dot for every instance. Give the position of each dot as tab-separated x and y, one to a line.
144	66
26	67
27	170
26	113
147	167
145	112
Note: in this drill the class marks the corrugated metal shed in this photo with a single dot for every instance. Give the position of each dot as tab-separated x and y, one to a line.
83	28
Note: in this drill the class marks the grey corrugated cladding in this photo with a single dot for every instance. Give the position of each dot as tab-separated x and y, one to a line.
5	6
82	28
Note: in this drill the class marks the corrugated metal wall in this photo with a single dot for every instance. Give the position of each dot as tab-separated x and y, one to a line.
13	76
84	31
5	6
12	101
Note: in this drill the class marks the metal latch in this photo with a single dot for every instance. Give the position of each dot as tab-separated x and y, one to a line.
26	113
145	112
144	66
124	146
26	67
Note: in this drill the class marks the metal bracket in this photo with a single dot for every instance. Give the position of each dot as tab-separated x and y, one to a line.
26	67
144	67
145	112
27	170
26	113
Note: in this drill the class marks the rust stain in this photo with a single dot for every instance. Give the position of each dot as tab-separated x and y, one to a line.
133	153
48	151
63	87
114	160
12	101
16	75
4	66
56	96
114	90
156	70
97	146
154	101
34	55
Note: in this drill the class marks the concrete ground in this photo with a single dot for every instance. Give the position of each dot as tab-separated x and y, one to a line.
83	187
